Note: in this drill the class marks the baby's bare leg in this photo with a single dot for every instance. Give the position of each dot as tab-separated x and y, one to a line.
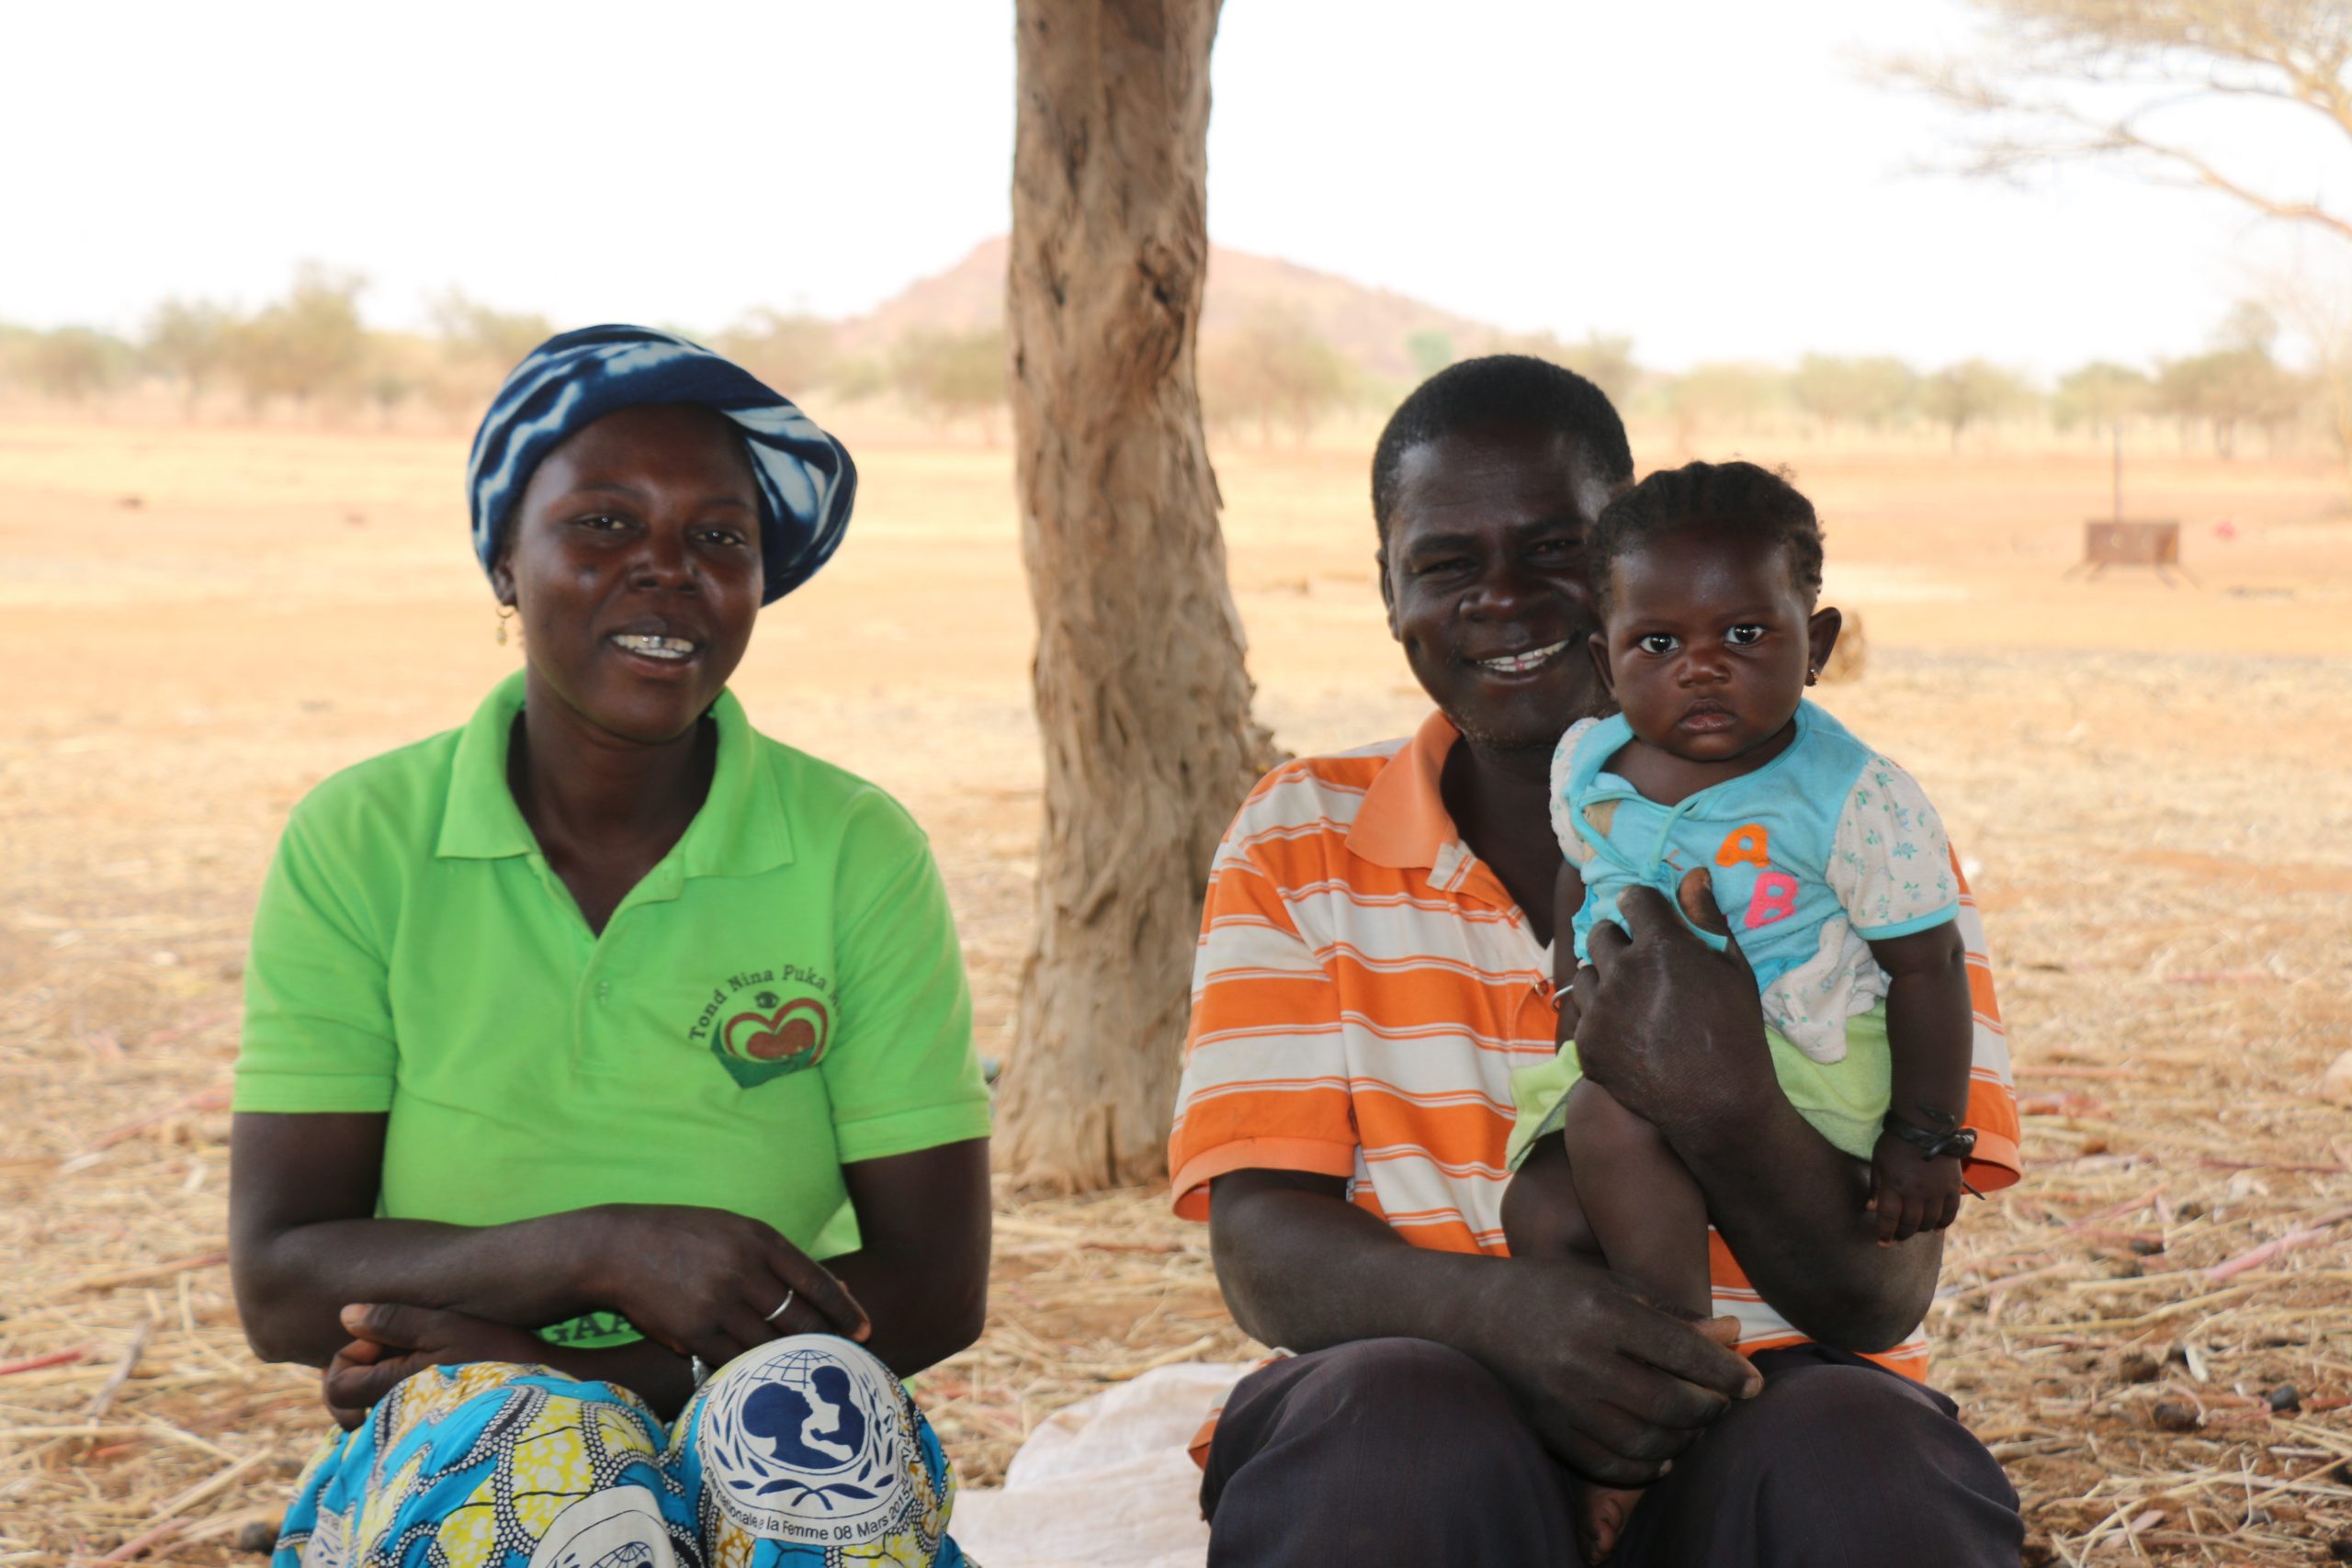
1541	1215
1643	1205
1651	1221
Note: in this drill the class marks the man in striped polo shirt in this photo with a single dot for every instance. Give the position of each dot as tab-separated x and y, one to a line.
1374	959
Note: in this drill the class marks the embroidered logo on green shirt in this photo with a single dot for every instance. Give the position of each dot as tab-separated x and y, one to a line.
766	1022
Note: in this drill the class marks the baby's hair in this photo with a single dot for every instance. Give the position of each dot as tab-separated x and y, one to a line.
1512	390
1735	495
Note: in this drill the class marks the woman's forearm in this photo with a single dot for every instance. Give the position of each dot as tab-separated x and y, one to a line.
920	1316
292	1284
303	1244
921	1271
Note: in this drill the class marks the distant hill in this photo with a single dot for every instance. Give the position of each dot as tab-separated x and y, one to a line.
1370	326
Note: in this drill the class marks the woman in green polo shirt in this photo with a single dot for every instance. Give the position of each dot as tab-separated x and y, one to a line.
603	1042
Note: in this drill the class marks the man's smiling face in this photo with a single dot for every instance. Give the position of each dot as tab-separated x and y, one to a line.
1483	571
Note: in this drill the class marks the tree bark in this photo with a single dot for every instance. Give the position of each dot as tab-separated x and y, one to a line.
1143	703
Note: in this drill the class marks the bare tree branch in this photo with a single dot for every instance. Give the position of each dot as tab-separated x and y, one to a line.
2158	55
2206	175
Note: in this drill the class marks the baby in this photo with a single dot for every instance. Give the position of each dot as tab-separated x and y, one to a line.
1824	857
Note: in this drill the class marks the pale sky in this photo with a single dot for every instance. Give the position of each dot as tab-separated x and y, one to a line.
1713	177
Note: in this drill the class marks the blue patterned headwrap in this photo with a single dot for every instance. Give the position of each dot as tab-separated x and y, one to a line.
569	382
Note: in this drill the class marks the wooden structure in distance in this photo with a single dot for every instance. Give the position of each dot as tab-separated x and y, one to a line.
2111	542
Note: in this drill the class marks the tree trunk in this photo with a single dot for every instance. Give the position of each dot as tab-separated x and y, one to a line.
1143	704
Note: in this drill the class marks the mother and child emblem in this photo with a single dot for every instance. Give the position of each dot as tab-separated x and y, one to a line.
803	1444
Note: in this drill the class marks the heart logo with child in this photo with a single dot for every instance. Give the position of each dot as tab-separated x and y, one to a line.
766	1023
795	1029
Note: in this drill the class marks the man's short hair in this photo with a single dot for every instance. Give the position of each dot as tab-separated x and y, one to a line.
1506	390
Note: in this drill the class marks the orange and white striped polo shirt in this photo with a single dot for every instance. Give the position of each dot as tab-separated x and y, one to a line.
1364	988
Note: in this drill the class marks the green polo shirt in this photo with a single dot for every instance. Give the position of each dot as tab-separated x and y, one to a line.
781	995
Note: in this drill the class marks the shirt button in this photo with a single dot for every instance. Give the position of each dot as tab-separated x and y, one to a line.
604	990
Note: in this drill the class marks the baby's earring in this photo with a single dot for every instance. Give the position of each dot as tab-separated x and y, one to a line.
1812	671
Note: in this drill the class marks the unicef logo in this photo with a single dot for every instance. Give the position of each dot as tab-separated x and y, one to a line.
803	1443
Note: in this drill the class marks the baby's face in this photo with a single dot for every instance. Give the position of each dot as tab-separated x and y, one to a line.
1708	641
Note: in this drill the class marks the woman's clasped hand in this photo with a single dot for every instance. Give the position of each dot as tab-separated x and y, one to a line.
709	1282
691	1280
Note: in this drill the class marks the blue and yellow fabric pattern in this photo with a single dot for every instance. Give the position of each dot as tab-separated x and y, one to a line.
804	1454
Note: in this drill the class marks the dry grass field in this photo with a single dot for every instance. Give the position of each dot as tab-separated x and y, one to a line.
203	622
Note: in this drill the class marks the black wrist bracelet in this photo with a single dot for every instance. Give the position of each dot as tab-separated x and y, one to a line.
1950	1143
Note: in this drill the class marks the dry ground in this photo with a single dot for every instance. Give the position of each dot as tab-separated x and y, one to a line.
203	622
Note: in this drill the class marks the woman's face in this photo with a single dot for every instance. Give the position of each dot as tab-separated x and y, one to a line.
635	570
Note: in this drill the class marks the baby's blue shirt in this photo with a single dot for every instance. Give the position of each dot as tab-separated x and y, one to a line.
1827	844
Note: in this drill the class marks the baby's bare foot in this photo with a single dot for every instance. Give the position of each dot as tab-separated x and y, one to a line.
1724	1331
1601	1513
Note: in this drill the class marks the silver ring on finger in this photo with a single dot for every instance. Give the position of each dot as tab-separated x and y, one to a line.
782	1306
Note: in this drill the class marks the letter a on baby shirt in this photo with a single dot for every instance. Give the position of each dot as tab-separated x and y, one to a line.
1752	845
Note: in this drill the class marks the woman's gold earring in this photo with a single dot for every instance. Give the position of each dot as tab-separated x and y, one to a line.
505	614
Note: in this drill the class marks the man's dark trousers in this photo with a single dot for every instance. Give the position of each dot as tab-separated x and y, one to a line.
1403	1452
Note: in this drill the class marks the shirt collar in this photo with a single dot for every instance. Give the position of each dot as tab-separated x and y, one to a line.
1403	822
740	831
481	821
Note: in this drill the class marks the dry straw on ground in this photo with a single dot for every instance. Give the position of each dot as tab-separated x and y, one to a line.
2161	856
2122	1329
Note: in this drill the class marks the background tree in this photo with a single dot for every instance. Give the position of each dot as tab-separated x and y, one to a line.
479	344
791	351
1873	392
1273	368
2184	393
2167	88
2137	81
2255	389
1720	398
1974	391
2236	383
1606	361
399	367
16	344
388	388
953	376
75	364
858	376
308	344
2101	395
1432	352
472	329
190	340
1143	703
2321	308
